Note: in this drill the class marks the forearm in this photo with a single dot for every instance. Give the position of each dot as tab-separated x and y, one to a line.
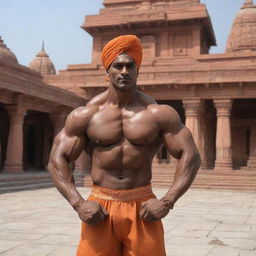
64	181
187	167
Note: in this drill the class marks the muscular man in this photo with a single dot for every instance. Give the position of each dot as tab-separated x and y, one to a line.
122	129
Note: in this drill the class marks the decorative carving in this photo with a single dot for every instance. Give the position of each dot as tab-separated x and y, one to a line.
149	46
223	107
192	107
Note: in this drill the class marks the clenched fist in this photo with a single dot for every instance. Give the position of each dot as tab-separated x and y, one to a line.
91	212
154	210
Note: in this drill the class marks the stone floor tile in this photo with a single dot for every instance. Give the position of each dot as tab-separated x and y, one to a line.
234	234
7	245
247	253
64	251
30	250
60	240
234	228
184	250
224	251
19	236
243	244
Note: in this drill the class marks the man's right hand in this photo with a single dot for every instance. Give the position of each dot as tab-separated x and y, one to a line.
91	212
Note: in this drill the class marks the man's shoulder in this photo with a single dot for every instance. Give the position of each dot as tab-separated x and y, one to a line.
78	120
98	100
166	116
162	110
90	108
83	112
145	99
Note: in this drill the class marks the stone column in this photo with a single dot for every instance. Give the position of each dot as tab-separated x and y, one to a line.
192	113
223	134
14	153
251	164
204	142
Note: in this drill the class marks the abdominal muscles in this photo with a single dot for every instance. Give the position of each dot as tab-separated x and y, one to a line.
122	165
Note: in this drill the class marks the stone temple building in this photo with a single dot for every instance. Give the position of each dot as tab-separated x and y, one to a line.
31	112
215	94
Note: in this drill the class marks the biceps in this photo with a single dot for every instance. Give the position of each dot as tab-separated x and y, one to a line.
180	142
69	147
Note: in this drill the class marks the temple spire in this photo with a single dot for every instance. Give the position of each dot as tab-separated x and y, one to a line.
248	4
43	45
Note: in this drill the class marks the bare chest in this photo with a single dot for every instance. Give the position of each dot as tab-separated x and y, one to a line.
112	126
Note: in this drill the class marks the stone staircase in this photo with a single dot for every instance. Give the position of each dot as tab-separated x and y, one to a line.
209	179
205	179
30	181
162	177
24	181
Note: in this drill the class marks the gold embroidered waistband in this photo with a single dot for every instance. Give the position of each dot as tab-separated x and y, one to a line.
122	195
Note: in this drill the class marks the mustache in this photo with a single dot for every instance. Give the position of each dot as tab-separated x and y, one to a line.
123	77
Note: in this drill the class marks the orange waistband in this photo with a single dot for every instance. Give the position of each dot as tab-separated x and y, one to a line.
122	195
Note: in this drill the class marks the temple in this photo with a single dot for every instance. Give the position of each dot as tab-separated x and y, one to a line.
31	112
215	94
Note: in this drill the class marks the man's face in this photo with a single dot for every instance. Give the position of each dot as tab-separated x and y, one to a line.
123	72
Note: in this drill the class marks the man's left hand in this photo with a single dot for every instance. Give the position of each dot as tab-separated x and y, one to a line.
153	210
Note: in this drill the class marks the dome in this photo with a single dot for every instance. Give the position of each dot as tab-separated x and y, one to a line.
42	64
6	53
243	32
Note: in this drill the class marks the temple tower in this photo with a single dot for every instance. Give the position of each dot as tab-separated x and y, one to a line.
42	63
166	28
243	33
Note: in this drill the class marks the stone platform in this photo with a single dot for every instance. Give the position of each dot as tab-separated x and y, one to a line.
203	223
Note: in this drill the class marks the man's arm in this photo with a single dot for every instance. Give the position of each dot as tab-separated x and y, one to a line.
180	144
67	147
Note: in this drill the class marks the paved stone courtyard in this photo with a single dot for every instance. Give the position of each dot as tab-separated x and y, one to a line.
203	223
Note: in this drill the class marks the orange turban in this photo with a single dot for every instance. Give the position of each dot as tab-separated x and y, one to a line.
127	43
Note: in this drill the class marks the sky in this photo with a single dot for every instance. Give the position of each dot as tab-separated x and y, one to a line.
25	23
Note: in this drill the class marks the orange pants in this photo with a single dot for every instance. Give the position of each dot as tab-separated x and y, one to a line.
123	232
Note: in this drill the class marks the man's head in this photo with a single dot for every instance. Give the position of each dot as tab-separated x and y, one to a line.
122	58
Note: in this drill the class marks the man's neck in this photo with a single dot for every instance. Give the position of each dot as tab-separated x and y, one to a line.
122	98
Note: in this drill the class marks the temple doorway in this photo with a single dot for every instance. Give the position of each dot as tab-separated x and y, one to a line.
243	122
38	133
163	157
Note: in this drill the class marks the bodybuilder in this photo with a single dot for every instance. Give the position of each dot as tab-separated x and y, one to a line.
122	129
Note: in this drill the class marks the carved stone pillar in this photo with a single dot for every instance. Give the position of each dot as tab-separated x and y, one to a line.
251	164
223	134
14	153
208	126
204	141
192	113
